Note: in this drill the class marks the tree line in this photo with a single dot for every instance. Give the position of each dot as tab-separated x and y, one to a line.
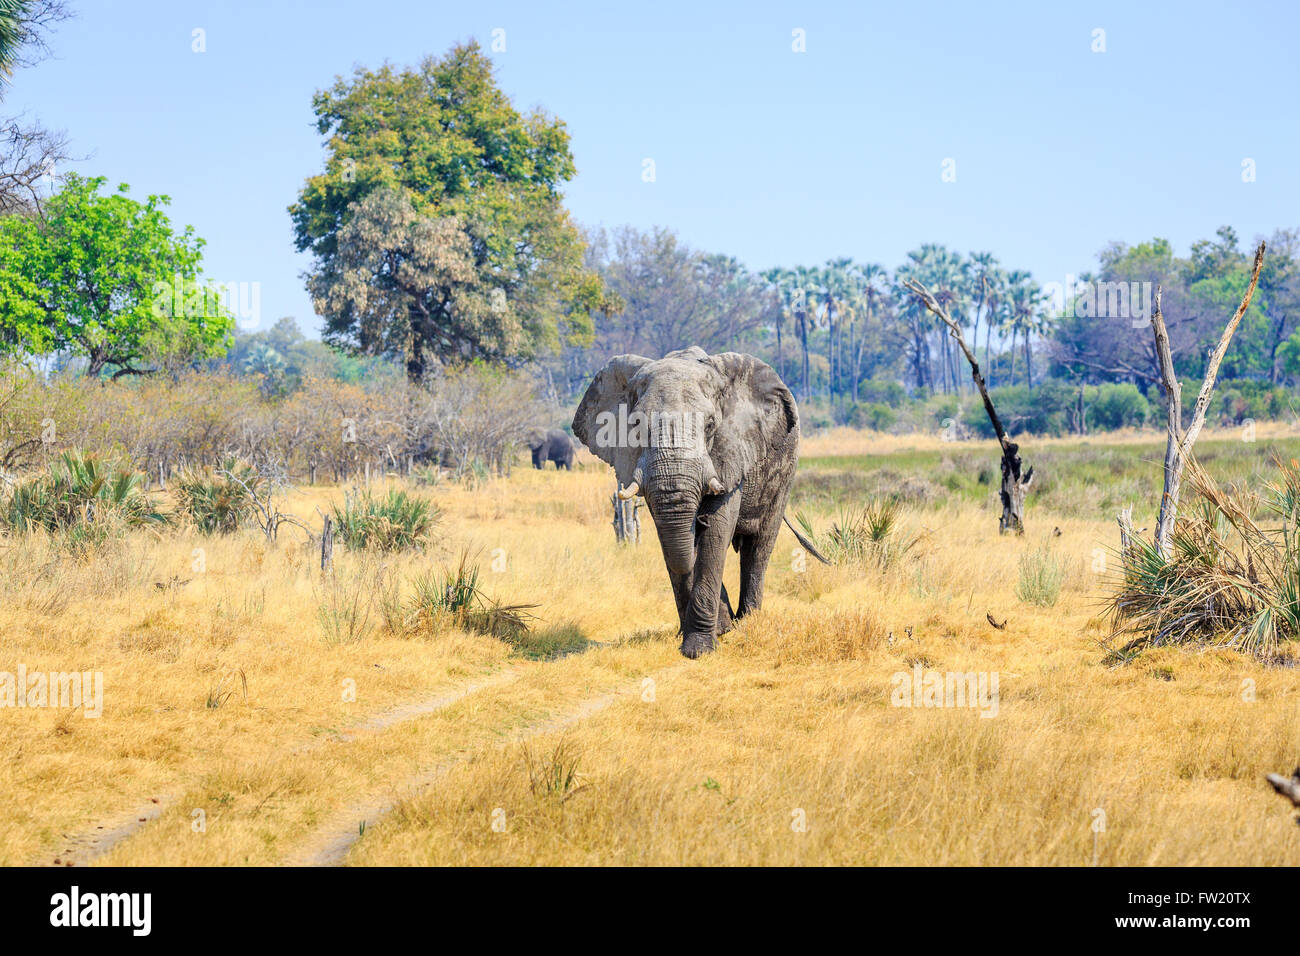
439	237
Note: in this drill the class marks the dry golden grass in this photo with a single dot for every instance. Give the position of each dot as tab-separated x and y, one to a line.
625	753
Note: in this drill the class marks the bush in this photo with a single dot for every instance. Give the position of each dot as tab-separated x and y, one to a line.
343	606
1116	406
882	391
945	410
324	427
219	501
1040	410
876	415
395	522
1240	399
81	496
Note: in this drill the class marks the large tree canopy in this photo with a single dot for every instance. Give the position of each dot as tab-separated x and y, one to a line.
106	278
437	226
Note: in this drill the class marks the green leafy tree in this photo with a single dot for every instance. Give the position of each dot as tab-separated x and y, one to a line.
437	226
107	279
1288	356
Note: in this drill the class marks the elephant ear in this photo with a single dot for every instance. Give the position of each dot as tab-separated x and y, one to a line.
757	416
596	422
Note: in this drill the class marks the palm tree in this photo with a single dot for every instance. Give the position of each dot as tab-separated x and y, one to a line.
1024	315
787	285
837	279
916	319
807	281
949	276
820	304
871	284
940	270
995	294
983	278
12	13
1042	323
777	282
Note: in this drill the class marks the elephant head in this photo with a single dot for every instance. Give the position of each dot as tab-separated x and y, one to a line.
682	428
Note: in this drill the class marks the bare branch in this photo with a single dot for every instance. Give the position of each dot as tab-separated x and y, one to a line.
30	157
1216	358
1178	444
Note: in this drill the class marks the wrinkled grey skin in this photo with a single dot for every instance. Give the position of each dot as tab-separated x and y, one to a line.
554	446
748	450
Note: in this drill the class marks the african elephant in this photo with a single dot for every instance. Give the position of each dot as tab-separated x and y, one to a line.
552	445
711	442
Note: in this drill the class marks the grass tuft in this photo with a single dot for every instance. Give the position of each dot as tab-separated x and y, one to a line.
396	521
1041	574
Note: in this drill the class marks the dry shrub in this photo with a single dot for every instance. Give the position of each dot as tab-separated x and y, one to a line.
462	418
1230	581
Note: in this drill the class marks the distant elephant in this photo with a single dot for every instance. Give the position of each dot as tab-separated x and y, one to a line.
552	445
711	442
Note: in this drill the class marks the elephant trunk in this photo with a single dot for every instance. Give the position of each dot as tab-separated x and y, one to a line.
673	488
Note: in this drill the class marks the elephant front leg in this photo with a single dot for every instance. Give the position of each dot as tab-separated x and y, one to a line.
682	595
704	612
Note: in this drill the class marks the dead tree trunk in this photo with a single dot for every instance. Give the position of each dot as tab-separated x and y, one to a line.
1178	444
1015	482
327	545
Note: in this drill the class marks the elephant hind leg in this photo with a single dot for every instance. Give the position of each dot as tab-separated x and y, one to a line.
755	552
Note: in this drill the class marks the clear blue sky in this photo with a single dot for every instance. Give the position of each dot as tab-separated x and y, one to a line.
773	156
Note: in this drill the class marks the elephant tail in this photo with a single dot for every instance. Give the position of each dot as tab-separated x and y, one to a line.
804	542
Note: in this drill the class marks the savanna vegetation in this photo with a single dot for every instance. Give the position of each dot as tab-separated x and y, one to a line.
338	620
525	708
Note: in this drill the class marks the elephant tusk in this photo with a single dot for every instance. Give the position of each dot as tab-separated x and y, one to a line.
715	487
630	491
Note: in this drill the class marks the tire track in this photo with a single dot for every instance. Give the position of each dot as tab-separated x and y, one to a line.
86	847
335	838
